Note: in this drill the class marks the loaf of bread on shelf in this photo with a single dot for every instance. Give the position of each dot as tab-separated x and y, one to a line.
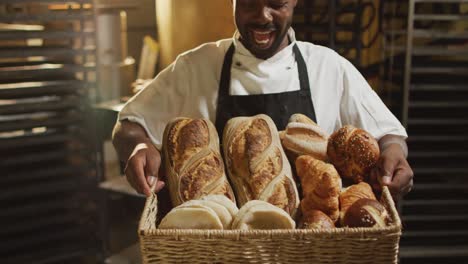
192	161
256	163
353	193
315	219
303	136
258	214
321	186
366	213
353	152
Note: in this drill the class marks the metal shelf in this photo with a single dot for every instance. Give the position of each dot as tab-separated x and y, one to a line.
46	1
20	89
432	17
45	127
443	104
52	16
438	87
23	35
40	51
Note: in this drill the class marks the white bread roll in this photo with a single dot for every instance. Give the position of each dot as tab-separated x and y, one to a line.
221	211
256	215
201	217
224	201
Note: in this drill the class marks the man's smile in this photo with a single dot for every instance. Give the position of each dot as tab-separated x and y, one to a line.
262	39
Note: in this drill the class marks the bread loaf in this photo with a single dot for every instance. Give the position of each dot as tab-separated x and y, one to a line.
353	193
315	219
321	186
366	213
303	136
192	161
256	163
353	152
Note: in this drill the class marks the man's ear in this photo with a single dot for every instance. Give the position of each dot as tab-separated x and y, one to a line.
294	3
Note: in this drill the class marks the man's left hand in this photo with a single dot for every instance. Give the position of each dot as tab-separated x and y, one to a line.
392	170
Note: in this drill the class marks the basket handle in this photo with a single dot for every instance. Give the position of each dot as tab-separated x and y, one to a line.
387	199
148	218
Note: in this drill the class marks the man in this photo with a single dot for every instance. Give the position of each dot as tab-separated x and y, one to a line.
262	69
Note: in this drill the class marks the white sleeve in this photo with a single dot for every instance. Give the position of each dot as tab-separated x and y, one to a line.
362	107
162	100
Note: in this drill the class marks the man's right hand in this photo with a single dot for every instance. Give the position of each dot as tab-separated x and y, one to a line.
143	167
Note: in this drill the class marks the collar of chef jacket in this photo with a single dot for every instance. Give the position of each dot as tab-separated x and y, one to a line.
251	75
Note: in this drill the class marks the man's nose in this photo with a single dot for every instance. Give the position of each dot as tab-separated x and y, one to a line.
263	15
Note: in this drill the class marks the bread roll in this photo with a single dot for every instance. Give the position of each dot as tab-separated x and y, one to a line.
304	137
222	212
353	152
321	186
353	193
201	217
256	163
366	213
315	219
258	214
192	161
224	201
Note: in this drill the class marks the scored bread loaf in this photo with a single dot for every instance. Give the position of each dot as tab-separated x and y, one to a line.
303	136
321	186
192	161
353	151
256	164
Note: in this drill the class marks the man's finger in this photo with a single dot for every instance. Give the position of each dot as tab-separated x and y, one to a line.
387	167
159	186
407	188
138	176
152	169
401	179
130	180
374	180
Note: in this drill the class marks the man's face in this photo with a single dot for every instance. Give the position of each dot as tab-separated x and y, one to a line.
263	24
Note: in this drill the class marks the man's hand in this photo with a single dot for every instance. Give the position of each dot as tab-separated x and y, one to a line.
392	169
143	167
142	158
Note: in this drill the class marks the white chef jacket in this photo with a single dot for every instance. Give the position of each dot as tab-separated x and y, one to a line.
189	87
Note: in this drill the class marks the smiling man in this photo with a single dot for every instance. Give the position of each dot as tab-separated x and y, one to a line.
262	69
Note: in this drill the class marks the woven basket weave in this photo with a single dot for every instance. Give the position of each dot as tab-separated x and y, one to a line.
340	245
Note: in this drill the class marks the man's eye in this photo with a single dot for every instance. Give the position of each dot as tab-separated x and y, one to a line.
278	5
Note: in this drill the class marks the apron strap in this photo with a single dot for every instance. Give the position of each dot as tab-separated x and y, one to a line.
304	78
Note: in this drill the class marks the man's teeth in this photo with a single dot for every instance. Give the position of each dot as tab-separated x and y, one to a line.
262	37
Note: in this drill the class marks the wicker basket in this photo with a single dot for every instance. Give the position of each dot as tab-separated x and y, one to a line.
340	245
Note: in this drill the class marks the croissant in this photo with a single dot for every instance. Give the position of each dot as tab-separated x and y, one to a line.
321	186
192	161
256	163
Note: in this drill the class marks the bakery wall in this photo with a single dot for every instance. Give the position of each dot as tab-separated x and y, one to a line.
185	24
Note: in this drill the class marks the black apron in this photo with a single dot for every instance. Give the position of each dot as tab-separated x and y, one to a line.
279	106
